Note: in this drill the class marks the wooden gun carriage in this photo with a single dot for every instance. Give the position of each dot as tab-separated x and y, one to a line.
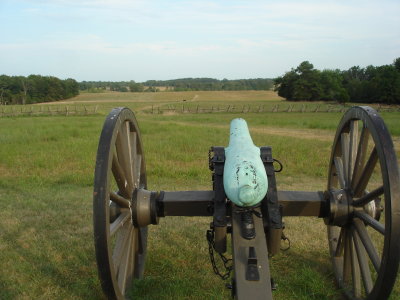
360	207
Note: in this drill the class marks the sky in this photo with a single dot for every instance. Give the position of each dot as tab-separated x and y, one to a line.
122	40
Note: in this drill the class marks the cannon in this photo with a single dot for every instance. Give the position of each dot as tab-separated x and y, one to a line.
360	207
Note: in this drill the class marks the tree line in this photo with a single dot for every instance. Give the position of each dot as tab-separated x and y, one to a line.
35	88
116	86
367	85
183	84
211	84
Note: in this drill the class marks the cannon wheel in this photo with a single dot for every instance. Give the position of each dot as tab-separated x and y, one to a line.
120	170
365	248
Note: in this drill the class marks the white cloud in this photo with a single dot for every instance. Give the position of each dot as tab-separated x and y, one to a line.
196	37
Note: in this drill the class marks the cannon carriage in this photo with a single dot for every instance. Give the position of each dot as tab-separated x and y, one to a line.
360	207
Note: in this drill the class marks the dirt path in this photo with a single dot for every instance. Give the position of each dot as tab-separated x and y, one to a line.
311	134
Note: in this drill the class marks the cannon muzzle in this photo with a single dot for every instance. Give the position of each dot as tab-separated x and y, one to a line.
245	179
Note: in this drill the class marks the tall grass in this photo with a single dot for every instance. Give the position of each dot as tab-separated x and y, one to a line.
46	176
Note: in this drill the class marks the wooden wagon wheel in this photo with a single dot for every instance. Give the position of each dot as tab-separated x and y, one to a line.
120	171
364	226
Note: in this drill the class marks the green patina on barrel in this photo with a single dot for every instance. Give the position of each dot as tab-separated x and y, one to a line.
245	179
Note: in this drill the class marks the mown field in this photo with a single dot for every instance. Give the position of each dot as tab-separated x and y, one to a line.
46	177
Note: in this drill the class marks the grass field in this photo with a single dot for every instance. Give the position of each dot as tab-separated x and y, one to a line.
46	177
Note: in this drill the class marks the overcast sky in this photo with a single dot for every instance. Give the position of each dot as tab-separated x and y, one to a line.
114	40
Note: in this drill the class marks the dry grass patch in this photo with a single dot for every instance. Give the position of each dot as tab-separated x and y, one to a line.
203	96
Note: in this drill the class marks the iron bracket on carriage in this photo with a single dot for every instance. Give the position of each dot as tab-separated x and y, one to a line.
360	207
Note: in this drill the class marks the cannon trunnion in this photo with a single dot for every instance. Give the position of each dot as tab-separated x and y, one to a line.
360	206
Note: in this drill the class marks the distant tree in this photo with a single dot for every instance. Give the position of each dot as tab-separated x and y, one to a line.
302	83
25	86
367	85
151	89
307	86
385	84
135	87
210	84
4	91
332	85
35	88
284	85
71	87
396	64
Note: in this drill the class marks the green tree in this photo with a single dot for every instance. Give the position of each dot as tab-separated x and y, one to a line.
284	85
71	87
332	85
302	83
308	86
396	64
135	87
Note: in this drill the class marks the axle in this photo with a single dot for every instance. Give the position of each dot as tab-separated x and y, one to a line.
153	205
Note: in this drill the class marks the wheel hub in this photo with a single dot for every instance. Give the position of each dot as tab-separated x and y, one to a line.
143	208
340	209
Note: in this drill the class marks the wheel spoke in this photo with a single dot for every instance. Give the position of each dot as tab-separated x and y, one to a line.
132	260
345	144
352	148
119	176
340	172
368	245
140	252
370	221
361	156
138	168
124	154
368	197
119	222
124	277
120	246
362	262
121	201
347	258
340	243
366	173
355	270
134	155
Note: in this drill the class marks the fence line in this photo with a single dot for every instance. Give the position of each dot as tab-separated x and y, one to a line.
246	108
48	110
